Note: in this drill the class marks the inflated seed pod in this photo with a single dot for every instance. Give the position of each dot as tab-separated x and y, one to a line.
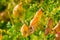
57	27
35	20
18	11
57	36
49	27
4	16
25	30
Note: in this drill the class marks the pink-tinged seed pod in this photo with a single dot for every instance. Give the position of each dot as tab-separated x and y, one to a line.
57	27
57	36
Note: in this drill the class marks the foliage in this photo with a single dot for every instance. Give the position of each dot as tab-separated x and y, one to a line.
51	9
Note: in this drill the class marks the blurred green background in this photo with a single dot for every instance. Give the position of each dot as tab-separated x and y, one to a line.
11	26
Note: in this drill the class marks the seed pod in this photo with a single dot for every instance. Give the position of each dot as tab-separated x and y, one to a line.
57	36
47	30
18	11
49	27
4	16
25	30
35	20
57	27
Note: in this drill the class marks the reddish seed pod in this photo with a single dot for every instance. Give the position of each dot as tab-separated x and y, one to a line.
47	31
57	27
49	27
57	36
